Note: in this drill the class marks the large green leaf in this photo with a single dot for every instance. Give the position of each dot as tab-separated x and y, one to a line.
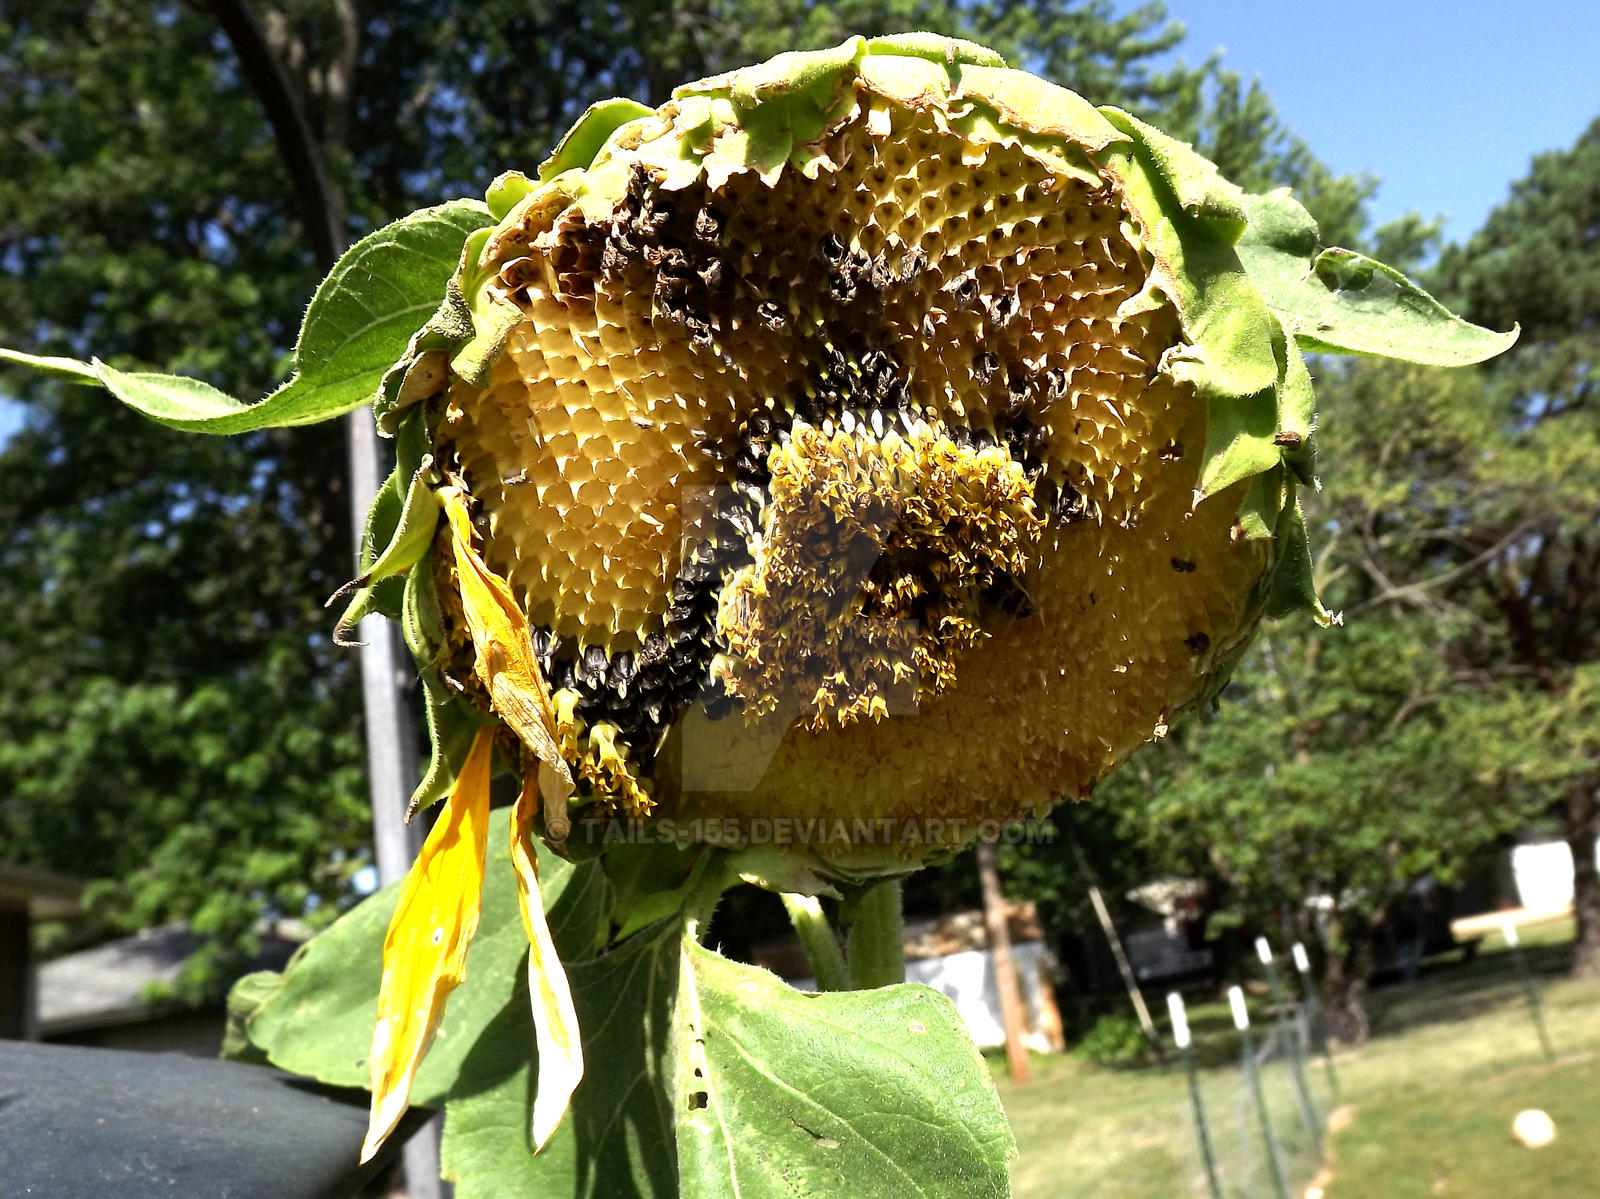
849	1093
1341	302
357	324
703	1077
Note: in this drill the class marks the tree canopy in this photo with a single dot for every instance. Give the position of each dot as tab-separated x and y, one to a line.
1525	559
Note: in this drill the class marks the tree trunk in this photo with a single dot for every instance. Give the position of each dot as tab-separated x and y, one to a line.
1344	982
1582	819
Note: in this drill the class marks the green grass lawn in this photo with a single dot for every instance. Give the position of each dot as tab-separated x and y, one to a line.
1460	1144
1452	1058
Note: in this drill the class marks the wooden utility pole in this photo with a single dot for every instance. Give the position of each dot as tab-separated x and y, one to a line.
1123	967
1012	1013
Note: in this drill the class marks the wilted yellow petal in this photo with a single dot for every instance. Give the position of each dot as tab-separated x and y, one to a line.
506	663
555	1022
424	953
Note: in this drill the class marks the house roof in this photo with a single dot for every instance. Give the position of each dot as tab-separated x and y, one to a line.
47	896
108	985
958	932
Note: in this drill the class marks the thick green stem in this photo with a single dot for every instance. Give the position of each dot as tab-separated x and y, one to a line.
877	946
821	945
702	900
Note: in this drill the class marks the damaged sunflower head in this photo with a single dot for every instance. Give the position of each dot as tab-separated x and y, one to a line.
875	440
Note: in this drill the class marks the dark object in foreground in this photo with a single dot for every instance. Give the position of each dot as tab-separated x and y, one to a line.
95	1122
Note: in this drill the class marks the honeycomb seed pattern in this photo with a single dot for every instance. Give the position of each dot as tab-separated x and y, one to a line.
639	694
663	448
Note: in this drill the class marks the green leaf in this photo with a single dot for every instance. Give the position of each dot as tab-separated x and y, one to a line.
946	51
1297	412
508	188
1239	444
245	999
452	724
618	1136
869	1092
69	369
811	73
1293	588
1193	180
776	869
181	402
320	1020
703	1076
365	311
452	721
1262	509
420	371
494	317
1188	219
357	324
850	1093
401	523
1341	302
1044	114
649	881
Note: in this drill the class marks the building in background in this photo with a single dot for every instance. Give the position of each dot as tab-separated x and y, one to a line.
118	995
27	896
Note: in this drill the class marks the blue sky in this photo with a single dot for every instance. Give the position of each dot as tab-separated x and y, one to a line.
1446	102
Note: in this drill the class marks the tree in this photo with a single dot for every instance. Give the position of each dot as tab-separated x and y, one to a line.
1531	539
1339	771
177	727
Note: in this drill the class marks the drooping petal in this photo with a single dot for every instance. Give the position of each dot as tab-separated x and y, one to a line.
555	1021
505	659
424	953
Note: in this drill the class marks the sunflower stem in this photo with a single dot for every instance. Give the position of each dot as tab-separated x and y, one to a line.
877	945
702	900
817	937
